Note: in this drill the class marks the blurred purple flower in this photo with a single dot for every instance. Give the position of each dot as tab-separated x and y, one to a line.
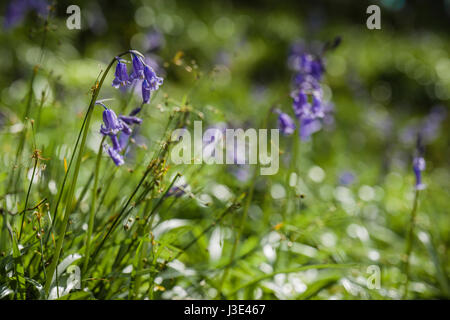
418	167
213	137
95	18
123	141
317	109
285	123
419	164
18	9
300	104
241	172
307	64
177	191
429	128
309	108
346	178
308	126
155	40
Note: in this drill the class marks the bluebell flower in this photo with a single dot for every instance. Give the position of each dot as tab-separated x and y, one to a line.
307	64
317	69
112	125
126	128
115	155
153	80
300	105
123	141
146	91
308	126
130	119
418	167
138	68
285	123
316	107
115	142
121	75
118	129
306	82
309	107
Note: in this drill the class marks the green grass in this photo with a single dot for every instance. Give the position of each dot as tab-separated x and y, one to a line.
63	202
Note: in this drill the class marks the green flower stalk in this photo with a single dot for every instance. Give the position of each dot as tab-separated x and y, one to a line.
70	195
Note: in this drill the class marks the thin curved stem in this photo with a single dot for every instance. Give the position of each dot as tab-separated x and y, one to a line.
70	195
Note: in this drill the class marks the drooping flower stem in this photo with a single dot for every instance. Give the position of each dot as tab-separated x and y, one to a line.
93	204
409	241
70	195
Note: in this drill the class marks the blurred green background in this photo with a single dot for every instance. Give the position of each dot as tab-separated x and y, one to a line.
229	60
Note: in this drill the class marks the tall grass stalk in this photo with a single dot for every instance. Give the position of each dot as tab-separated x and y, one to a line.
70	194
15	178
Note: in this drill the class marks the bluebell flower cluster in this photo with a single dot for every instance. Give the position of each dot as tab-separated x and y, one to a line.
308	104
118	129
141	72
